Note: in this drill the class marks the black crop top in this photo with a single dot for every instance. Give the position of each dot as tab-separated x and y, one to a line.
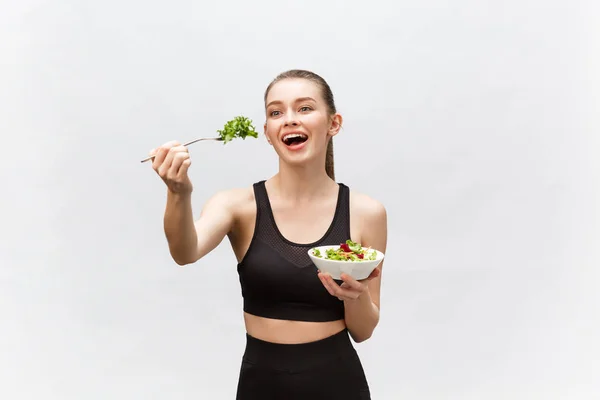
277	277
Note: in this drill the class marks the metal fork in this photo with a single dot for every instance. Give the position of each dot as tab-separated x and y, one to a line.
187	144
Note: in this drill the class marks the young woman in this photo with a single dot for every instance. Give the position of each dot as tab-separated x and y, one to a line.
298	320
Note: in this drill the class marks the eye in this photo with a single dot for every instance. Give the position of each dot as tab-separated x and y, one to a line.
305	108
273	113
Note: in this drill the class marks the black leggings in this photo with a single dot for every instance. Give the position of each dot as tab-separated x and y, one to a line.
327	369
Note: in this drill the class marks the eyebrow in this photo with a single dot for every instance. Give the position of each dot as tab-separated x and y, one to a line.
296	101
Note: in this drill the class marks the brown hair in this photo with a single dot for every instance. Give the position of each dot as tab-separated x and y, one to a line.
327	96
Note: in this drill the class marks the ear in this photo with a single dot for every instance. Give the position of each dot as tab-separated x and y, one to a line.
265	133
336	125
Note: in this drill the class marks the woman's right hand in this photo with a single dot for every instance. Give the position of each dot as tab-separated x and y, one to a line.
171	163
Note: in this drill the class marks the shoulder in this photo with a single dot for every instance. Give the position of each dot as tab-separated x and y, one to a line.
366	207
369	216
233	198
229	203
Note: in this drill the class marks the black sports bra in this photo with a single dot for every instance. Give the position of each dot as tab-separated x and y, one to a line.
277	277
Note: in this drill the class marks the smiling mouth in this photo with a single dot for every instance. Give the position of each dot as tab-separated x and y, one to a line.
294	139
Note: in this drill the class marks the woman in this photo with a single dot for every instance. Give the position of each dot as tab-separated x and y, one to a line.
298	320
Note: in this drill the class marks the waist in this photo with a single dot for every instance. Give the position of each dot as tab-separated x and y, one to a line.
282	356
290	332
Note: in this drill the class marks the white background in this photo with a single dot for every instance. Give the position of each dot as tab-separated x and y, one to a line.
475	123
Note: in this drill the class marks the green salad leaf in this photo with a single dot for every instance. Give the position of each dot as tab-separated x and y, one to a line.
355	247
239	127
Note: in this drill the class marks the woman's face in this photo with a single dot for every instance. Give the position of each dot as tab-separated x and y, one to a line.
298	123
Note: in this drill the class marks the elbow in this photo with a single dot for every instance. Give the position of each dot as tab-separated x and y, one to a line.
182	261
363	333
365	338
183	255
361	337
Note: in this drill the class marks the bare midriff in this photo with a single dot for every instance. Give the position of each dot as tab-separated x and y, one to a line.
290	332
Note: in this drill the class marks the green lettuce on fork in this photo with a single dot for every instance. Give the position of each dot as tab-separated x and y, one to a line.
239	127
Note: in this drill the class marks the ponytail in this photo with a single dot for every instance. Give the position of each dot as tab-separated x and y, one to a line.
329	160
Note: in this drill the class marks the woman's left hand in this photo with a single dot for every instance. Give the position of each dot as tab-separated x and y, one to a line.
350	289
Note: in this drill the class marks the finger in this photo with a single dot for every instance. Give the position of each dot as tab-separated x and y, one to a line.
172	152
344	297
351	287
341	292
163	163
178	158
170	156
172	143
159	157
183	170
325	279
351	282
161	153
326	284
349	294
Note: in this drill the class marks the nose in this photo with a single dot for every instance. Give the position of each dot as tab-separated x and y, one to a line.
291	120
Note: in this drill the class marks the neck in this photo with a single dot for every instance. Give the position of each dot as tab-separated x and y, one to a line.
302	182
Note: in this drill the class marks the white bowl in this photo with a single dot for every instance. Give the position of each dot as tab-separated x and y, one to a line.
356	269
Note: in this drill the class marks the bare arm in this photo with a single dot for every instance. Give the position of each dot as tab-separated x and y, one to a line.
189	241
362	314
362	298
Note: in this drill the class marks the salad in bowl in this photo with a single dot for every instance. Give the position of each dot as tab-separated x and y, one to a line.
349	257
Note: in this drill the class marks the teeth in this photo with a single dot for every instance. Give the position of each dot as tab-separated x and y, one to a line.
293	135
